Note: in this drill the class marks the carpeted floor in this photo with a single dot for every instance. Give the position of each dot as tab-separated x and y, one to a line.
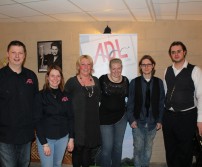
36	164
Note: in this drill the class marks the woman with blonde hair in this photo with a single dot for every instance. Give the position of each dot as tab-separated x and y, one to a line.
85	91
113	120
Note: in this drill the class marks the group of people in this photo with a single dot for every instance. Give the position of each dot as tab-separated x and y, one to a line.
86	112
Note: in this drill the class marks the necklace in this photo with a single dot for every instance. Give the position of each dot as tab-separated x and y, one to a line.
54	92
90	92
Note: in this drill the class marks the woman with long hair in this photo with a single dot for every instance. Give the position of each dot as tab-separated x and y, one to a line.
54	119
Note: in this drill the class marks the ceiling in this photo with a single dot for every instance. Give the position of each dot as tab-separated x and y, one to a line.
99	10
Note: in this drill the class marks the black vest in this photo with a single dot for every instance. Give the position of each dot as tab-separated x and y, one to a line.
180	89
155	97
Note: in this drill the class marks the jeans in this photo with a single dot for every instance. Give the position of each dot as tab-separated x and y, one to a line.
58	147
112	140
142	142
15	155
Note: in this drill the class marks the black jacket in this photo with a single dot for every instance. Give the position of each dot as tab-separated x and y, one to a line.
53	115
49	60
17	93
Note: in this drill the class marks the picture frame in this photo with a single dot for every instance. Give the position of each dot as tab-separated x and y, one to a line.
49	53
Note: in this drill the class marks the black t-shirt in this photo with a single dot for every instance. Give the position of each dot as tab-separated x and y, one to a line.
113	104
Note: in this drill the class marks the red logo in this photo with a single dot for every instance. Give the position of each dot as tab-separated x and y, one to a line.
29	81
65	99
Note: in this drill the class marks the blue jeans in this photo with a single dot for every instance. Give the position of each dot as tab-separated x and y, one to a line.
58	147
15	155
142	142
112	140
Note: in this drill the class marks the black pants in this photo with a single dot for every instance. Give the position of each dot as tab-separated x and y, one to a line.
178	132
81	156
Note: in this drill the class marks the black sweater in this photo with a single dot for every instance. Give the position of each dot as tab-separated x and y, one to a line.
53	115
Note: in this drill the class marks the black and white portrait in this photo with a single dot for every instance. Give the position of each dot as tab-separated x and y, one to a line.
49	52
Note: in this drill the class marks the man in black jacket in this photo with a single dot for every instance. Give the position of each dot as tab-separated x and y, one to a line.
18	86
145	110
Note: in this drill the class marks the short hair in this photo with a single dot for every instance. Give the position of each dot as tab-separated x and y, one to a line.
115	60
175	43
47	85
150	59
78	63
17	43
55	44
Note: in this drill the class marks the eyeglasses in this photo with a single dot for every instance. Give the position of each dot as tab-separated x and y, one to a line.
176	52
146	65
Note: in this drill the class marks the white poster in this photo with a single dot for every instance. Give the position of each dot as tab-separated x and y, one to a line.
101	48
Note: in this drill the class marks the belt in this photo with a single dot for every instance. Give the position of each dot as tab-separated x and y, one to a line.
182	112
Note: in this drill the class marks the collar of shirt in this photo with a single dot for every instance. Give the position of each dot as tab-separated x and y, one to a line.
147	80
55	57
11	72
177	71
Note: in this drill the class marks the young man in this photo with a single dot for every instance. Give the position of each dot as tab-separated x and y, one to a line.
183	99
18	86
145	110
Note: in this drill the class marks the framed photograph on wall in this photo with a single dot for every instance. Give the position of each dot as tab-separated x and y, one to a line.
49	52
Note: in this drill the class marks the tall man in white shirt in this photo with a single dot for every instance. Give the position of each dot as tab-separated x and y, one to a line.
183	87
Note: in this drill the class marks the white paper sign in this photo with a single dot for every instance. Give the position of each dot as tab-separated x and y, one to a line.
104	47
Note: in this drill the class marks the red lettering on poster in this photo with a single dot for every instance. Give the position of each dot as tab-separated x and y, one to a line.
99	52
110	50
109	46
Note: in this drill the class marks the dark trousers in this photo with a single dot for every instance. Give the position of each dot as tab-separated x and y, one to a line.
81	156
178	132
